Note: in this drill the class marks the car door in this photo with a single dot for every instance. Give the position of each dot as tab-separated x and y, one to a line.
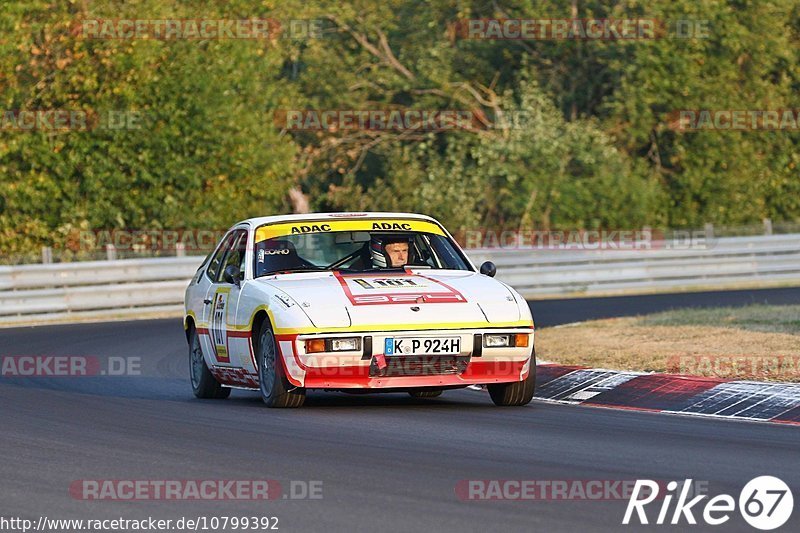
208	282
222	299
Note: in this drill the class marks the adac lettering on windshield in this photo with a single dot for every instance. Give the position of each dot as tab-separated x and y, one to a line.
314	228
303	228
405	226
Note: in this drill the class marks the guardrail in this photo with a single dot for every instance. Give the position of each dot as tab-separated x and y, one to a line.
62	291
725	262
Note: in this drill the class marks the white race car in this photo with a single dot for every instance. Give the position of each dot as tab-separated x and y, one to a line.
353	302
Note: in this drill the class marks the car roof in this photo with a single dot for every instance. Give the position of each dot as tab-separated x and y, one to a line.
258	221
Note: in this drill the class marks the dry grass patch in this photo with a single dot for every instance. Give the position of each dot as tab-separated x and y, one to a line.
755	342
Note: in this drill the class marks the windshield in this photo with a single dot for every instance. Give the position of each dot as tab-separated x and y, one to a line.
322	248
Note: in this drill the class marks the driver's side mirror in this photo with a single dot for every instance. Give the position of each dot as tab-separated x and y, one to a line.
231	275
488	269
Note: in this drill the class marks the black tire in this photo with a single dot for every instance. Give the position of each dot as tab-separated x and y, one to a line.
424	393
516	393
276	391
204	384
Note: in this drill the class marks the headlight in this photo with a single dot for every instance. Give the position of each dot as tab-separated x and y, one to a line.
516	340
497	341
348	344
337	344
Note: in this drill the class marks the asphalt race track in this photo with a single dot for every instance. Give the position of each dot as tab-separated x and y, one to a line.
384	461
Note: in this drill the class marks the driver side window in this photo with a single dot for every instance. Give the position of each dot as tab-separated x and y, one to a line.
231	252
235	255
213	269
236	249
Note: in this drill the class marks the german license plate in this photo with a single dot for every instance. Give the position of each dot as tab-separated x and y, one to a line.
423	346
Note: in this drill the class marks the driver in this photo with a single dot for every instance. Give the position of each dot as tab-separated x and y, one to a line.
389	252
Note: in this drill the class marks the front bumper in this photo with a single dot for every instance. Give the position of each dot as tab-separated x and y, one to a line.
370	368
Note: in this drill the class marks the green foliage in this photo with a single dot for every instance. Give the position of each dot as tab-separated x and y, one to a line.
593	145
201	153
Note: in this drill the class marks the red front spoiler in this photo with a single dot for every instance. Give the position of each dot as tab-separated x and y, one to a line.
477	372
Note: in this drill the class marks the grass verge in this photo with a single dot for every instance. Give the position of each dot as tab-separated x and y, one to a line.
755	342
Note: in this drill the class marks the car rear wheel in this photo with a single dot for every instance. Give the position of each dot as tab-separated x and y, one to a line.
516	393
425	393
204	384
276	391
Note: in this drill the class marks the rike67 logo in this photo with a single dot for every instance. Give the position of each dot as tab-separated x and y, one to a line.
765	503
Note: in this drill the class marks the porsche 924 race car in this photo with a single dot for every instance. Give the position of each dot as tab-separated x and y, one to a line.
353	302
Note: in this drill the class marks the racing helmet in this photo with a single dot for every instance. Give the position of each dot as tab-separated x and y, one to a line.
377	249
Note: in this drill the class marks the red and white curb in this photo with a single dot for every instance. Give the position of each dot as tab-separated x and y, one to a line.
669	393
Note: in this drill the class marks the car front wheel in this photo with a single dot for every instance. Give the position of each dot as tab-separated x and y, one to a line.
516	393
276	391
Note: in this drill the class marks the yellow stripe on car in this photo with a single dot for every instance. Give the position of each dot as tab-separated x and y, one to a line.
271	231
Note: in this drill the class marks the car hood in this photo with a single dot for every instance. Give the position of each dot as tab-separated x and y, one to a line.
440	298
